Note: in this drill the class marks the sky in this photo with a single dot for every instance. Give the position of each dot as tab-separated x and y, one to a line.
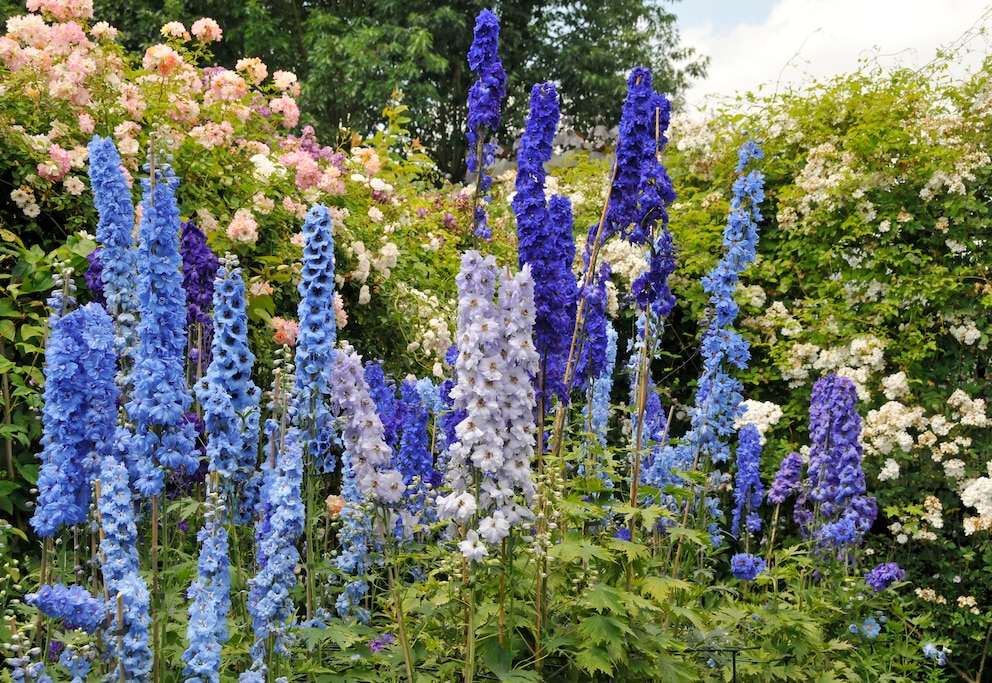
777	44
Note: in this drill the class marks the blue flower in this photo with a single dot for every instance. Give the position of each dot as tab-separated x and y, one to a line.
210	597
870	628
74	605
78	417
317	328
745	566
787	478
930	651
161	395
748	489
115	232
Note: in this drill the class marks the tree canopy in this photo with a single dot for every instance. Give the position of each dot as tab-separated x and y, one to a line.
351	55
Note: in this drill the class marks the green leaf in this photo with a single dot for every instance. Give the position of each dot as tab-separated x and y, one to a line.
599	628
661	587
578	547
592	660
604	597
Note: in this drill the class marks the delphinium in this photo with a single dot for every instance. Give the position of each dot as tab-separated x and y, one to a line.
785	484
228	396
22	660
414	458
748	494
717	402
383	392
74	605
78	418
484	112
317	330
495	439
280	525
199	269
210	596
884	575
115	233
545	241
833	508
368	478
128	637
164	438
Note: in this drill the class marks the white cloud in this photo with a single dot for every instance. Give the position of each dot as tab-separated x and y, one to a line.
803	40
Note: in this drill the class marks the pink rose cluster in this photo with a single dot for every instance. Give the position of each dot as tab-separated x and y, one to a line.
243	227
285	331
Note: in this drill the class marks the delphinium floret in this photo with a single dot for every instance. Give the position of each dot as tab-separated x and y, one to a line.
884	575
545	240
786	482
164	438
484	111
746	566
78	418
74	605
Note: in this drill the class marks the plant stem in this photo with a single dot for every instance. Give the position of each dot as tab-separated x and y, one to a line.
156	625
407	661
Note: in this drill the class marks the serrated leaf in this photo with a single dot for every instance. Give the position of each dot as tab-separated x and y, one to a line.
599	628
592	660
576	547
633	551
603	597
660	587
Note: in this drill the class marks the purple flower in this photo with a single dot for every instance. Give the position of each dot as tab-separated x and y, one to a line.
199	268
484	104
746	566
787	478
545	240
884	575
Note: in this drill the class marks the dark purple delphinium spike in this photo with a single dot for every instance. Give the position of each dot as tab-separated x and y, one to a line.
383	392
545	240
884	575
787	479
484	107
199	268
840	512
94	276
635	141
591	359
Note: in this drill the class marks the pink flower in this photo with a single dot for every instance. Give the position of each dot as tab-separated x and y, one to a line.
263	204
63	10
57	166
335	504
86	124
213	135
253	68
161	58
74	186
298	240
260	288
286	106
225	86
375	214
285	331
298	210
243	227
29	29
207	30
340	315
103	31
285	80
175	29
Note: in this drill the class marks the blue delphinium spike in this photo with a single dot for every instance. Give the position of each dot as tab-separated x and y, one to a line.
748	489
115	234
164	439
199	269
78	418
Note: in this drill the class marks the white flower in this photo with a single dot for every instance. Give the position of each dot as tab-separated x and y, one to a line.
494	528
472	549
889	471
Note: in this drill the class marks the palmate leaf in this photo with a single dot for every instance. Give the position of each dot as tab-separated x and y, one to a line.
576	547
594	659
661	587
598	629
602	597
